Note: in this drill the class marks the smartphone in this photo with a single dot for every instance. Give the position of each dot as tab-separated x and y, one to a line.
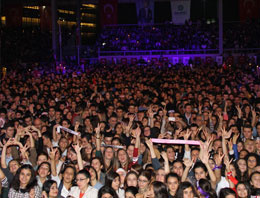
171	119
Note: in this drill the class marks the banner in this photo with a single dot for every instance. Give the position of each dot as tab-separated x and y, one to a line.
249	9
180	11
108	12
45	18
145	11
14	15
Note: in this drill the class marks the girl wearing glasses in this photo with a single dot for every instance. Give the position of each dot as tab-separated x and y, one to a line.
83	188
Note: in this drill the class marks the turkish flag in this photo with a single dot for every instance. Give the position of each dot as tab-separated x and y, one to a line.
249	9
108	12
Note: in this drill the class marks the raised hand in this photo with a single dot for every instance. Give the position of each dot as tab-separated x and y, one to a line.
97	130
77	148
219	159
187	134
52	153
164	156
187	162
227	162
204	157
149	143
226	134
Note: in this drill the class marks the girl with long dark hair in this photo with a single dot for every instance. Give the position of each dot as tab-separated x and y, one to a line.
24	183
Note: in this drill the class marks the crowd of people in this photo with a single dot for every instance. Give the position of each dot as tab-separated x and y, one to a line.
90	135
191	36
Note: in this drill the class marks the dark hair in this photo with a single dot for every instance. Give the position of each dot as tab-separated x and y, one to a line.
146	174
45	154
131	189
110	177
48	164
241	176
91	167
107	189
225	192
253	155
251	176
127	175
172	175
182	187
84	172
67	166
160	189
200	165
247	186
47	186
205	188
15	184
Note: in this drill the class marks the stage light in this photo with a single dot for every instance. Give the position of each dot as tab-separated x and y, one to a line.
103	44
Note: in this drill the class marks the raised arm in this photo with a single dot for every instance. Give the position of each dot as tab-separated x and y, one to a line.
188	164
155	161
166	162
98	136
53	164
54	133
3	157
217	168
204	157
79	158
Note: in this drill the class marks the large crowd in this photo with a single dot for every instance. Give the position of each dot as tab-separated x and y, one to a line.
90	135
191	36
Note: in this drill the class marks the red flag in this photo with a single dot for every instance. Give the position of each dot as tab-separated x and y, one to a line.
14	15
108	12
45	18
249	9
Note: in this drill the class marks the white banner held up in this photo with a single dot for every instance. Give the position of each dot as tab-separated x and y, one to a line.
180	11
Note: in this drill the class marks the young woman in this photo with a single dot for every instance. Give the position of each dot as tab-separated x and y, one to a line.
252	161
108	158
255	180
50	189
83	189
68	175
243	190
113	180
93	177
241	170
44	173
186	190
24	183
131	192
156	190
107	192
172	181
144	181
97	164
131	179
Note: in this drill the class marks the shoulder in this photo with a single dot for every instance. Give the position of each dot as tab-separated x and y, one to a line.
92	189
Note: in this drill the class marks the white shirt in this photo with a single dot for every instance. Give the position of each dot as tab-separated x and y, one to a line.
90	192
223	183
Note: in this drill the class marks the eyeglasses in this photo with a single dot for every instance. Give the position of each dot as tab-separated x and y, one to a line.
80	179
142	181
